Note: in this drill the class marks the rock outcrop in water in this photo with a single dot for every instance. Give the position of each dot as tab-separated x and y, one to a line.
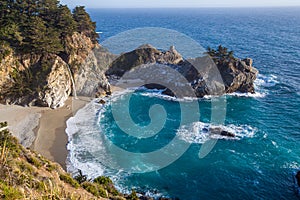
220	131
145	54
213	74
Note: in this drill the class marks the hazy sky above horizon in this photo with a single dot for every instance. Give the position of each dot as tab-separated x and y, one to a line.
178	3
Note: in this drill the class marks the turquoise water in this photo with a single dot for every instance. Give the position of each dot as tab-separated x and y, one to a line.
261	161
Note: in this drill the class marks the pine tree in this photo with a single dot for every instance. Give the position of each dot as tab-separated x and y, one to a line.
221	55
84	23
40	39
65	22
41	26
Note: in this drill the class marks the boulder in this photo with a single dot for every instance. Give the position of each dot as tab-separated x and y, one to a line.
102	102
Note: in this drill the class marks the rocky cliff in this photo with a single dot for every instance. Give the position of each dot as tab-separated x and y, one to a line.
47	79
206	75
88	63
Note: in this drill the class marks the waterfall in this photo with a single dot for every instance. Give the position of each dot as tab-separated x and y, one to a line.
73	82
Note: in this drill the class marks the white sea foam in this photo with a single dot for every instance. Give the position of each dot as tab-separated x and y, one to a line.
291	165
257	94
82	130
261	84
199	133
266	81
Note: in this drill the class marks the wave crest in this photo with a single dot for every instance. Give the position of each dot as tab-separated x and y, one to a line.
199	132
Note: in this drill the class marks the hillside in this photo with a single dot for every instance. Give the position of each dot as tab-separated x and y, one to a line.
27	175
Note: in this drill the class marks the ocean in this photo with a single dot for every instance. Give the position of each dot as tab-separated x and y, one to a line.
259	163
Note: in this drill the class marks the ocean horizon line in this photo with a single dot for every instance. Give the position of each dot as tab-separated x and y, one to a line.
202	7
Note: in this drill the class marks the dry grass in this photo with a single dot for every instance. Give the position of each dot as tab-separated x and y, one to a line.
26	175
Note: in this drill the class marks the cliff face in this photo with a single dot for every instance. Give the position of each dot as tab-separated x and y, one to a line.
46	80
40	80
88	66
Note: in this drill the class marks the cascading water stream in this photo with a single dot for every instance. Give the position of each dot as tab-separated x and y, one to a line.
73	82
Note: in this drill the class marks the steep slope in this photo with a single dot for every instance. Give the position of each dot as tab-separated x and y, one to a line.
26	175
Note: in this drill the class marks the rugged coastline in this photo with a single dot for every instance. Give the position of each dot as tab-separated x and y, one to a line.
46	78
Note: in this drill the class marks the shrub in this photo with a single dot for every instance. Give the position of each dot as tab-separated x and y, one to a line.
102	180
107	184
8	142
133	196
34	161
80	178
94	189
68	179
51	167
9	192
25	167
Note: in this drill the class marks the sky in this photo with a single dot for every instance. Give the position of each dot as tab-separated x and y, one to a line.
178	3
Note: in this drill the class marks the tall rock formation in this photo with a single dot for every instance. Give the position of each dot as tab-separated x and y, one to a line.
46	80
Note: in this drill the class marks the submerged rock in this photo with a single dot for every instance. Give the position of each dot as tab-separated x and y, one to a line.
298	178
220	131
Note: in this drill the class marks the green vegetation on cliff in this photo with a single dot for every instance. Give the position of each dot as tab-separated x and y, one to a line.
27	175
221	54
39	27
43	46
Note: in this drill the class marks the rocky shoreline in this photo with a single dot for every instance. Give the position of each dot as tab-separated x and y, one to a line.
86	72
91	71
206	75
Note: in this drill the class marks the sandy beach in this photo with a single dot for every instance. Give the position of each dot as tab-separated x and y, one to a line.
42	129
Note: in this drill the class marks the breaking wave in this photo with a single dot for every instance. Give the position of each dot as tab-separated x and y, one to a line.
200	132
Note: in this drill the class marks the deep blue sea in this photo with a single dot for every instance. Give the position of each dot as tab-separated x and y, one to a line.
260	163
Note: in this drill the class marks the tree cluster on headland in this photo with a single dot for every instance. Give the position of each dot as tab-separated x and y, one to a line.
42	26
